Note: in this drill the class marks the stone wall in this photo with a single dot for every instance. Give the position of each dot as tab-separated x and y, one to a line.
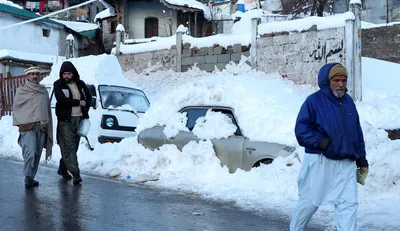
108	38
299	56
140	61
381	43
207	58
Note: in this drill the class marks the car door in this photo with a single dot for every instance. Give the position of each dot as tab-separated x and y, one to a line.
229	150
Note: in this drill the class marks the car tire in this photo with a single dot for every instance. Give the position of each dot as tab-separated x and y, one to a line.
264	161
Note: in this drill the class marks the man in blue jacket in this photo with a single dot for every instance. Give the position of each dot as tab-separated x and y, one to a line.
328	127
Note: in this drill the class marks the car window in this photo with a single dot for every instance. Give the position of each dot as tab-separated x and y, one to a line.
117	97
230	115
92	90
193	114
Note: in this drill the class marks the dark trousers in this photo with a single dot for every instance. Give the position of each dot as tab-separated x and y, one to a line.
68	140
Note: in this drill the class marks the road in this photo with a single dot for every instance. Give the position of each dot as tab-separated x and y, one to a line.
102	204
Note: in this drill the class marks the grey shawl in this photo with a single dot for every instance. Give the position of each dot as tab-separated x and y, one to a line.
32	104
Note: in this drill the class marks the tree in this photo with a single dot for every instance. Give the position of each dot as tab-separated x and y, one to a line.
318	7
312	7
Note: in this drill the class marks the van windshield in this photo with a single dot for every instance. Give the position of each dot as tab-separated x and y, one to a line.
123	98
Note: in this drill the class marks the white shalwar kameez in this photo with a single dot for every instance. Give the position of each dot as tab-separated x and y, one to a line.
323	181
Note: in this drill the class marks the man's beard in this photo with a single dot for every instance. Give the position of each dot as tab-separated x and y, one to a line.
34	80
68	80
339	93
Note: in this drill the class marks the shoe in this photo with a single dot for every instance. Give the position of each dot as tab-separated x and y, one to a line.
30	182
77	180
64	174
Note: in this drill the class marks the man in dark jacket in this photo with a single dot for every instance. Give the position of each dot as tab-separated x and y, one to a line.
328	127
73	102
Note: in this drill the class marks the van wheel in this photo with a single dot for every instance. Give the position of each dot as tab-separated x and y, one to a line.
264	161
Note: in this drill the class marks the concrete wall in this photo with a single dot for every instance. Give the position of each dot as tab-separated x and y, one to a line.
299	56
139	11
141	61
207	58
29	37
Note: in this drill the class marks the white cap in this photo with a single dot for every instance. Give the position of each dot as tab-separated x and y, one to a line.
32	70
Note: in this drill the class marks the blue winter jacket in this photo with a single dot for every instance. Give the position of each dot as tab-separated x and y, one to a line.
329	125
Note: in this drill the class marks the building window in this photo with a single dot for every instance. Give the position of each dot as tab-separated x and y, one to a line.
151	27
113	27
46	32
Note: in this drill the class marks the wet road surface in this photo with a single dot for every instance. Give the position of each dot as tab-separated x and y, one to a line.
101	204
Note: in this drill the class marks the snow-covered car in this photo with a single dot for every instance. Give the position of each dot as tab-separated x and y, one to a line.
235	151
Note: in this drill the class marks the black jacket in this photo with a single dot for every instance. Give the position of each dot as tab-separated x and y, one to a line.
64	104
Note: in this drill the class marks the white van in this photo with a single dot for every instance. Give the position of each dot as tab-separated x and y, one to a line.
117	102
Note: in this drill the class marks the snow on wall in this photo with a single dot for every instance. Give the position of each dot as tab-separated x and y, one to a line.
158	60
299	56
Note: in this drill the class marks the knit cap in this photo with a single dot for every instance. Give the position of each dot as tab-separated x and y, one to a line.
337	70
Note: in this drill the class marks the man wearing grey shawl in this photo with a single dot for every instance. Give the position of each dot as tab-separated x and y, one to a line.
32	114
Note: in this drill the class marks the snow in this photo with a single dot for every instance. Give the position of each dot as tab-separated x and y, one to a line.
224	40
182	28
192	4
205	126
322	23
70	37
244	25
355	2
120	27
10	3
367	25
272	5
100	69
78	26
35	57
266	106
109	12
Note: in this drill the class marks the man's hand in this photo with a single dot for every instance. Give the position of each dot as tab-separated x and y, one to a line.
82	103
362	174
43	126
